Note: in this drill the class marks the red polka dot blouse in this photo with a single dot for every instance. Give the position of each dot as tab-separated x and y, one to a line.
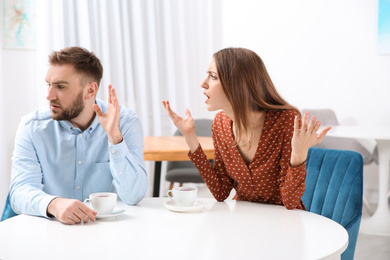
269	177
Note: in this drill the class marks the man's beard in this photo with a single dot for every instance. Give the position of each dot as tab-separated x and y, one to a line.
71	112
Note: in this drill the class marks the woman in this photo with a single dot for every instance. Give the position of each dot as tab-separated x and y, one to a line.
260	143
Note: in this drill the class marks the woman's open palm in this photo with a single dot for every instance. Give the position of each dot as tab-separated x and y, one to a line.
305	137
186	126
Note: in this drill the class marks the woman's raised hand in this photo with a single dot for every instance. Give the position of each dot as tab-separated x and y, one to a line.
305	137
186	126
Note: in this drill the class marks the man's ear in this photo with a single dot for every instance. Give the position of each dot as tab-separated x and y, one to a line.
92	89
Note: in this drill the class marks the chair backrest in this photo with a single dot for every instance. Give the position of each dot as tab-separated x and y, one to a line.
8	211
203	128
327	117
334	189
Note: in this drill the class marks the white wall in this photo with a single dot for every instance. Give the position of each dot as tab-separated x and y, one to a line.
18	84
319	53
3	148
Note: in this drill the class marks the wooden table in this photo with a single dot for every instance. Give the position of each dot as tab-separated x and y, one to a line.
170	148
221	230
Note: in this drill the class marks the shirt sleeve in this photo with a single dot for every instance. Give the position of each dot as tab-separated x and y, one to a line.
291	179
126	161
26	193
216	178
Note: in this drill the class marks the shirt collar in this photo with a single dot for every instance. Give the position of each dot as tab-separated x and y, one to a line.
69	127
94	125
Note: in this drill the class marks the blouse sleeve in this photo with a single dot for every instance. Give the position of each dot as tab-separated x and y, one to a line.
216	178
291	179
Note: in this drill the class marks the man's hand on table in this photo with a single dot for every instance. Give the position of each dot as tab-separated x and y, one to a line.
70	211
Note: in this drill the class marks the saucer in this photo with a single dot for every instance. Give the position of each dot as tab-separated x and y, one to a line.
198	205
115	212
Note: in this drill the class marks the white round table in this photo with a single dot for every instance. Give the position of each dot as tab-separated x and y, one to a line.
221	230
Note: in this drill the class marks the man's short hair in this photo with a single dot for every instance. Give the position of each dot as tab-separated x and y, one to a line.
82	60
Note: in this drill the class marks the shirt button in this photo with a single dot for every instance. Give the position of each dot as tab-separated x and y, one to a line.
120	172
81	135
78	187
113	151
79	162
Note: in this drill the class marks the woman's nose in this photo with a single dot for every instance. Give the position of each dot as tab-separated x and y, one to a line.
204	84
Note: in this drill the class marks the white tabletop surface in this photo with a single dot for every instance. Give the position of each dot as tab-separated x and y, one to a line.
359	131
221	230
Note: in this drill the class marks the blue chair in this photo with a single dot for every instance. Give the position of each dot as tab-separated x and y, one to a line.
8	211
334	189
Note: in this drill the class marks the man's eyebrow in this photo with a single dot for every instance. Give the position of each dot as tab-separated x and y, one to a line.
58	82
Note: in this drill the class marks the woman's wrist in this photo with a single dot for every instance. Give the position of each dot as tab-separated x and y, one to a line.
297	159
192	142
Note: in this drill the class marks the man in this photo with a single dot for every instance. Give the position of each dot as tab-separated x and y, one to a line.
78	146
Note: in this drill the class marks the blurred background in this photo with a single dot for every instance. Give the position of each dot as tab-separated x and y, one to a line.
319	54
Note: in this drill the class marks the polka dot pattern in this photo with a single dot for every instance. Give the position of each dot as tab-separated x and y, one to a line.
269	178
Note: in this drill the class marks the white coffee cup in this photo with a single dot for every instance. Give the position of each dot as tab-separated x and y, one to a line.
183	196
102	202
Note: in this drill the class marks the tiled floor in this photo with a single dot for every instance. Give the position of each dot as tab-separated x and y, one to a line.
370	247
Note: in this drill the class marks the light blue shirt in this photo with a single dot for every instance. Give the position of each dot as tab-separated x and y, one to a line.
55	159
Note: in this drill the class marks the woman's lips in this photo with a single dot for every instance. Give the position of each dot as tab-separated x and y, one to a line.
208	98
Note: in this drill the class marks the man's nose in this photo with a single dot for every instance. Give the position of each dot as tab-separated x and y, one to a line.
50	94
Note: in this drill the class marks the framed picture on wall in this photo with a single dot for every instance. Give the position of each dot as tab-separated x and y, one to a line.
19	24
384	27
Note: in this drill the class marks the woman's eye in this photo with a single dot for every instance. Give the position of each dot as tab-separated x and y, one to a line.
213	77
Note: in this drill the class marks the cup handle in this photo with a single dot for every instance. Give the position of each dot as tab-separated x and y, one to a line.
87	200
169	194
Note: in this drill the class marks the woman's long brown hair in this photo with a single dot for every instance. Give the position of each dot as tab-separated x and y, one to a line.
247	85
